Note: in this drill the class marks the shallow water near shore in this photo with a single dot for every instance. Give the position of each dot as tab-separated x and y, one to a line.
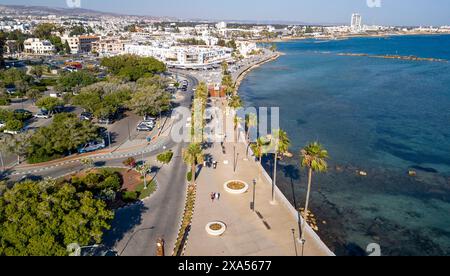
382	116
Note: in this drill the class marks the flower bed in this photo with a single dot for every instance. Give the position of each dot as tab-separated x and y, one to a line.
236	187
216	228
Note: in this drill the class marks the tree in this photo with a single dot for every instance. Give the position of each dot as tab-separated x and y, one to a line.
37	71
149	100
130	162
87	162
63	136
313	157
18	144
132	68
235	102
44	30
67	82
282	144
33	94
42	219
192	156
251	121
49	103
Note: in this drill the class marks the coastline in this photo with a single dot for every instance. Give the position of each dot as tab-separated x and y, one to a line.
243	74
299	38
279	194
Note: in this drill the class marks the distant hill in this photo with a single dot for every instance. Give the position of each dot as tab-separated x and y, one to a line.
42	10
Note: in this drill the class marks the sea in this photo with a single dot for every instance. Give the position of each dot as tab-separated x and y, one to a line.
383	116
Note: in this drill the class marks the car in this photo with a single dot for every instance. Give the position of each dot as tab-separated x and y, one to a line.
42	115
144	127
86	116
92	146
105	121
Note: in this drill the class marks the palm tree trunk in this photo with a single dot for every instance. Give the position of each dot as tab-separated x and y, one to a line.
305	213
193	175
274	176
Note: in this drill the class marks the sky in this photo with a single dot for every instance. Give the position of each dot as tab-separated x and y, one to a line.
391	12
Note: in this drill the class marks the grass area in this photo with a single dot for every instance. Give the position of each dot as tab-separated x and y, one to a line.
144	193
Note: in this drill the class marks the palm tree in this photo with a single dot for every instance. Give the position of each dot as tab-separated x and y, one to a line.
258	149
88	162
235	102
251	120
192	156
313	156
282	145
237	120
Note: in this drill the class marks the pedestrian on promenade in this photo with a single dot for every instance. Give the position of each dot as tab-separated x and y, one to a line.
218	196
213	197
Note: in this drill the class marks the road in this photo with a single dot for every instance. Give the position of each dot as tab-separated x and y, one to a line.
136	229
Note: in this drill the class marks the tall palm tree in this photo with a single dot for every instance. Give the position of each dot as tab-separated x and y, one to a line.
251	120
313	157
192	156
258	149
282	145
237	120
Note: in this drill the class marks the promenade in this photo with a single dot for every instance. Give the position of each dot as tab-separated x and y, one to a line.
272	230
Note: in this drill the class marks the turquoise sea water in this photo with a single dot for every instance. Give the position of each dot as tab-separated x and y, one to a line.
382	116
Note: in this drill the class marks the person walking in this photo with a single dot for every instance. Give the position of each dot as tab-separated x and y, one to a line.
213	196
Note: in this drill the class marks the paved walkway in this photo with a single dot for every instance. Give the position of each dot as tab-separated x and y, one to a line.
274	232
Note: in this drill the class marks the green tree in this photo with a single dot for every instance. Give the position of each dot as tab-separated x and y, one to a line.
33	94
67	82
64	135
132	68
149	101
49	103
192	156
44	30
37	71
42	219
313	157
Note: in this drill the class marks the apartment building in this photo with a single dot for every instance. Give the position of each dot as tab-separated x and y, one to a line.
38	47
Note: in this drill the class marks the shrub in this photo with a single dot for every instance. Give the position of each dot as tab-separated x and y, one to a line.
129	196
14	125
166	157
4	100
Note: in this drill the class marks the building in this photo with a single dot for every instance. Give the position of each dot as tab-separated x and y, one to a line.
356	24
107	47
74	43
38	47
246	48
191	57
86	42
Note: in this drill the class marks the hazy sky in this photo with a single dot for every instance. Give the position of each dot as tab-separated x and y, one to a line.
391	12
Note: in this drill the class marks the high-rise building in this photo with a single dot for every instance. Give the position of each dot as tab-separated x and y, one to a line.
356	24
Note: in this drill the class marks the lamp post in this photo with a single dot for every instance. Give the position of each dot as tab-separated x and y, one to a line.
254	194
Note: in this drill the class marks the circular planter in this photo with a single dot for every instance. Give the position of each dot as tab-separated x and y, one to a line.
216	228
236	187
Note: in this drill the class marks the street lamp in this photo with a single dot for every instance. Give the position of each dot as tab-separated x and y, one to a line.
254	194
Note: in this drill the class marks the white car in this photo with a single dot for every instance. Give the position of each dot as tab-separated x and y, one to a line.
42	116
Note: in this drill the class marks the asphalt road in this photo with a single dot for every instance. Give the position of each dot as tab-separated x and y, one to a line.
136	229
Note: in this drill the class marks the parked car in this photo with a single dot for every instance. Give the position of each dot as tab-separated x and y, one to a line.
86	116
144	127
42	115
92	146
105	121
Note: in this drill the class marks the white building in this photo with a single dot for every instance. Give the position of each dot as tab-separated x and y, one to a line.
74	43
39	47
182	56
245	48
356	24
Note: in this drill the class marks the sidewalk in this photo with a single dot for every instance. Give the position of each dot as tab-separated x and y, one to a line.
247	234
